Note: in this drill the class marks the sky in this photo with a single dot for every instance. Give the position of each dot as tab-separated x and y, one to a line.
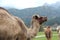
21	4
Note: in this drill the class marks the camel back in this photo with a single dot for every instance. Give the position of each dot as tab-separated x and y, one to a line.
8	24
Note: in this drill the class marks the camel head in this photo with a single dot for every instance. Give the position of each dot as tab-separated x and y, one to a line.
40	19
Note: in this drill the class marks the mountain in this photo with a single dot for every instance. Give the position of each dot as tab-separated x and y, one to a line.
56	5
51	12
53	21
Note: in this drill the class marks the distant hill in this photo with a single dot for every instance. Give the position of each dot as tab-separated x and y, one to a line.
53	21
51	12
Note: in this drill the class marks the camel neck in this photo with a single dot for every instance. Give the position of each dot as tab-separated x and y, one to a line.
35	28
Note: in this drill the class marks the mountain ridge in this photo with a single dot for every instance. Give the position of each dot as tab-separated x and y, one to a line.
45	10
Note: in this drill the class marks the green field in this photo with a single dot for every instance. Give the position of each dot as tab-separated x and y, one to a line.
54	36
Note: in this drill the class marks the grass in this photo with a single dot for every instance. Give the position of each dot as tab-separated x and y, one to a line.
54	36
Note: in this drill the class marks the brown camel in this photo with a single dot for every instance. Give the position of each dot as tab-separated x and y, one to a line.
48	33
13	28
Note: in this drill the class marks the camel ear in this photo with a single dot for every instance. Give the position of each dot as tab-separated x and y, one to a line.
36	17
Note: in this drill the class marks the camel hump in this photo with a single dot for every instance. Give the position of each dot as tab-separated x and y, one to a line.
4	12
3	9
5	15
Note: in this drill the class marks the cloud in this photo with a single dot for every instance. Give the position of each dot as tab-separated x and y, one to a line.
25	3
51	1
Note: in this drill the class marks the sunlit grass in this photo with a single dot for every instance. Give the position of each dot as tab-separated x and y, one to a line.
54	36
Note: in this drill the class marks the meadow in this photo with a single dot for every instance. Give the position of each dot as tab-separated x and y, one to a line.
41	36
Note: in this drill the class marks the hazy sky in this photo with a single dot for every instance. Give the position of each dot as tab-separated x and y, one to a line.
21	4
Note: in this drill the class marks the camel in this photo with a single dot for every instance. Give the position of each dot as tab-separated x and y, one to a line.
13	28
58	31
48	33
